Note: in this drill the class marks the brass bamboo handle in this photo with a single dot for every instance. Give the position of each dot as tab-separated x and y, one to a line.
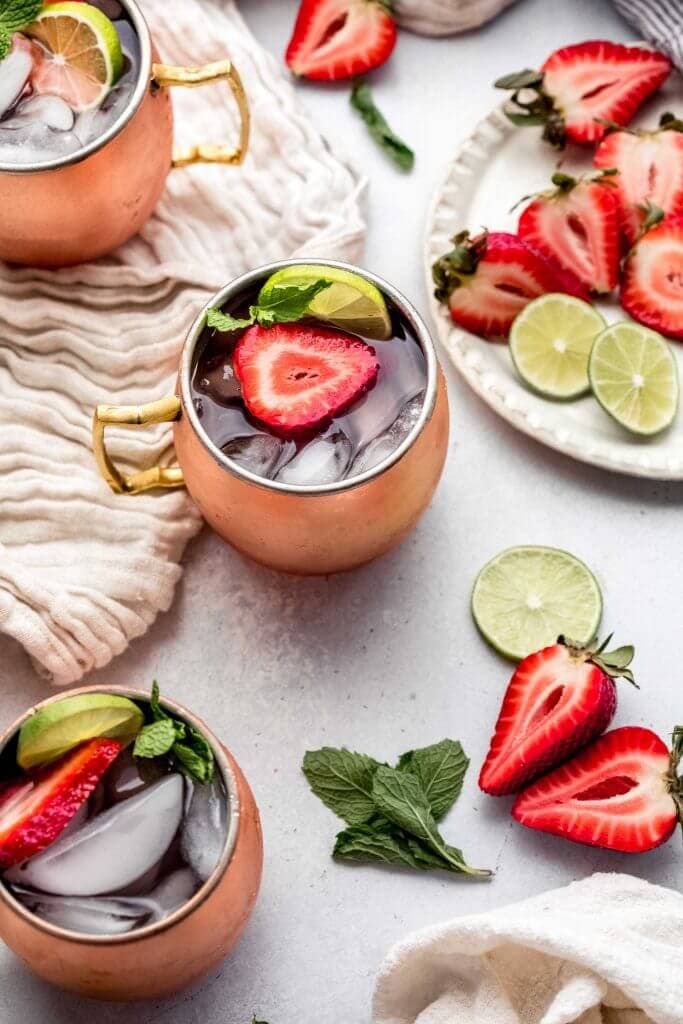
166	75
164	411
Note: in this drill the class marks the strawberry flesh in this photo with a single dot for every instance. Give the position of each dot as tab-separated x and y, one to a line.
615	794
650	166
35	810
296	378
556	702
652	283
577	225
336	39
505	276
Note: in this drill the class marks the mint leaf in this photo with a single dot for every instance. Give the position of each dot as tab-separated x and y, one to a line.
364	843
191	763
155	739
18	14
5	42
285	304
399	796
342	779
441	770
224	322
155	707
396	148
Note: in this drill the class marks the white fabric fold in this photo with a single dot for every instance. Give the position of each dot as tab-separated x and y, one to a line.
605	950
83	571
444	17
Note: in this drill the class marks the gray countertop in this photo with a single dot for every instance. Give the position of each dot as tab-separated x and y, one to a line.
387	658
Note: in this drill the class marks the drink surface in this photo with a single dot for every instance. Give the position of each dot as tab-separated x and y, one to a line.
135	851
360	437
39	120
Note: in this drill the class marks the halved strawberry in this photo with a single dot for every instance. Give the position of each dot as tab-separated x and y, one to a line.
35	810
652	281
558	700
581	85
622	793
336	39
577	225
295	378
650	166
488	279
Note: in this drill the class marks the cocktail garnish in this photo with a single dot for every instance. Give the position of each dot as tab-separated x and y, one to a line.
15	15
281	306
188	749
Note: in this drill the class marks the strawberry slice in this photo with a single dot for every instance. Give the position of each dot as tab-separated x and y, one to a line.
582	85
295	378
35	810
557	701
488	279
335	39
652	282
650	166
622	793
577	225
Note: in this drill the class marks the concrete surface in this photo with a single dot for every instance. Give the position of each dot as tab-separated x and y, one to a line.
387	658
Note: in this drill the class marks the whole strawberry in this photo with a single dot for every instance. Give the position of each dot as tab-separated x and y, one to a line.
621	793
581	86
557	701
488	279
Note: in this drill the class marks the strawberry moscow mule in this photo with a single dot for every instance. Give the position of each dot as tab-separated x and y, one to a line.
67	72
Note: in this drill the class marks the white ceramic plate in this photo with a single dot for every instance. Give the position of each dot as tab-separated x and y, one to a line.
492	170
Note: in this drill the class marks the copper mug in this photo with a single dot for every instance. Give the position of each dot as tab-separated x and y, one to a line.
307	530
77	208
162	958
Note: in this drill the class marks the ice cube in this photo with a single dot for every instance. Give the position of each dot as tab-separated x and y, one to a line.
174	890
380	448
204	829
94	915
259	453
130	775
113	849
14	72
35	143
321	461
128	37
48	110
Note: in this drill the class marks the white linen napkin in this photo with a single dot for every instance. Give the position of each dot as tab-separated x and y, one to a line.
444	17
605	950
83	571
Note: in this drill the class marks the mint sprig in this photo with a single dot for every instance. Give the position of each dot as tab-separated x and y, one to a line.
15	15
280	305
186	746
386	138
393	813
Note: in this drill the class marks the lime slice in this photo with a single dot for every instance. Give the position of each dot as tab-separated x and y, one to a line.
634	377
526	597
59	727
83	57
550	342
351	302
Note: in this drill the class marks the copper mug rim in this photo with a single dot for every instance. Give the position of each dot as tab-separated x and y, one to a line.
252	277
144	75
214	878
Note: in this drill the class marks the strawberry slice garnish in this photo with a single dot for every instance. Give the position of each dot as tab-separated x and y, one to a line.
650	166
577	225
488	279
557	701
35	810
336	39
583	85
295	378
652	282
622	793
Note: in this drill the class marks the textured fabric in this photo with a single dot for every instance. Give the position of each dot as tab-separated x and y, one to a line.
606	950
658	21
83	571
443	17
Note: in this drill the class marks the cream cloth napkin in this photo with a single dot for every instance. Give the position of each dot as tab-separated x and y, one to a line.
443	17
83	571
606	950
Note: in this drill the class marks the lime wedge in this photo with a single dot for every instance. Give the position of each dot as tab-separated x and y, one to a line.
59	727
526	597
550	342
634	377
82	54
351	302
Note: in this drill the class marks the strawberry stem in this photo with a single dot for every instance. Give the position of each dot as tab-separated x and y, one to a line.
674	780
462	260
614	663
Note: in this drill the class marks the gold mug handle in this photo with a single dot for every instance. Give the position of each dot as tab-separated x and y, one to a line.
164	411
166	75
